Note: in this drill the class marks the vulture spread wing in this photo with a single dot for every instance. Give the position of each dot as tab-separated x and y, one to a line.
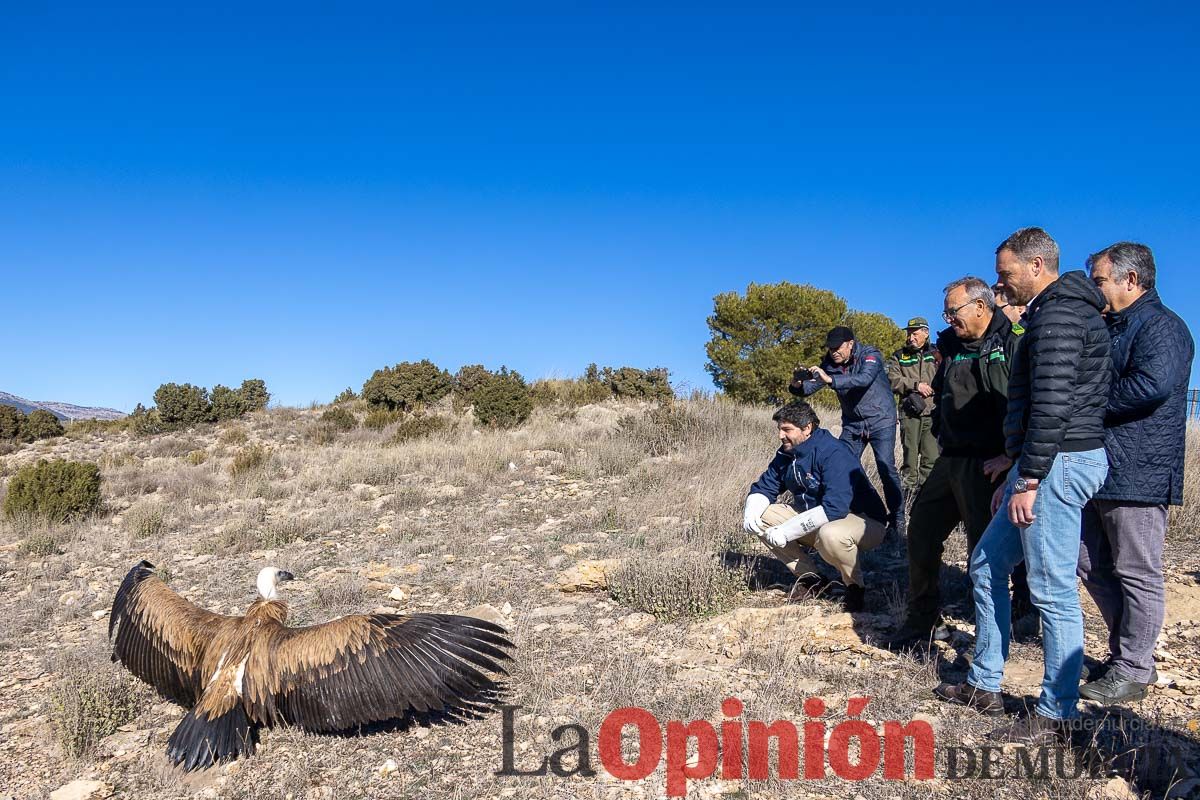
160	637
370	668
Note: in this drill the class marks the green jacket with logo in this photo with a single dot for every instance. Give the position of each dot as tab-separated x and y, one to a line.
972	390
907	368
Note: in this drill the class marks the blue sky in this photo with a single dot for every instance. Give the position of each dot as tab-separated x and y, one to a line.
304	193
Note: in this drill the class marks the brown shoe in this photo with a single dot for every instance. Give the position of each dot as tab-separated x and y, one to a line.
965	694
1034	731
806	587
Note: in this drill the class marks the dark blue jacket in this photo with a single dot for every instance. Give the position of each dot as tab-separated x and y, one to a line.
822	472
862	388
1145	425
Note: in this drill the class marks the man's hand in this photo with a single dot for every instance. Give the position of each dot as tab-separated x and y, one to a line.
997	498
995	468
821	375
756	504
776	537
1020	508
925	390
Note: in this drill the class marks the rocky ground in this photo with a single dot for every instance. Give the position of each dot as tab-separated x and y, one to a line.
567	532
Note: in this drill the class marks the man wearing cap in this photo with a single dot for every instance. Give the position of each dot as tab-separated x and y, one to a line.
855	372
910	371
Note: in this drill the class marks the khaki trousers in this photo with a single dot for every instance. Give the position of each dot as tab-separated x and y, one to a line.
838	542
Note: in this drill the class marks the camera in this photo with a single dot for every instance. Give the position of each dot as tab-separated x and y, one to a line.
803	374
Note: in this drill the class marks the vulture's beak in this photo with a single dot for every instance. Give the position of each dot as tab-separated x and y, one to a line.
285	576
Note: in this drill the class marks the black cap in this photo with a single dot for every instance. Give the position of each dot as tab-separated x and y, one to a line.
838	337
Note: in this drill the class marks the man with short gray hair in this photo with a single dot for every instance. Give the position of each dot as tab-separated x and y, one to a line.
1054	433
1125	524
971	392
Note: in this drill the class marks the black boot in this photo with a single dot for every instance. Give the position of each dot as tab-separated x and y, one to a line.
855	598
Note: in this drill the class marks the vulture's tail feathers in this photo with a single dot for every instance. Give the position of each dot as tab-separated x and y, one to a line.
198	742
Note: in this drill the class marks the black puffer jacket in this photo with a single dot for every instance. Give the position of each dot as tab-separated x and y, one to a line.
1062	367
1152	357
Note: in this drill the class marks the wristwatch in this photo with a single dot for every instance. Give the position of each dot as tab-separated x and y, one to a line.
1024	485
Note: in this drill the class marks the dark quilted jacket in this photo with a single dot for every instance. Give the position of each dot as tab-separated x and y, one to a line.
1145	427
1061	370
862	388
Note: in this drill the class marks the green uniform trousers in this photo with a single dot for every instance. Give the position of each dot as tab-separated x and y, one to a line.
956	491
920	450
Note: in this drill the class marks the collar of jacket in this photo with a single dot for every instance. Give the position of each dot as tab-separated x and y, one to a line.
1114	318
1074	284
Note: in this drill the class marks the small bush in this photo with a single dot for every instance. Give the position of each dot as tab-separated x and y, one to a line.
180	405
408	386
638	384
145	520
690	585
502	400
41	543
661	429
466	381
54	490
339	419
345	396
11	422
196	457
379	418
419	428
248	460
41	424
283	532
227	403
235	434
91	699
146	423
254	394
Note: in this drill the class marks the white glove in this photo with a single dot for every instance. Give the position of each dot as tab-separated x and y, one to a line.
800	525
756	504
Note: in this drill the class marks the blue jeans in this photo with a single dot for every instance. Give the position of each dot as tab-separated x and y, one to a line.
883	446
1050	549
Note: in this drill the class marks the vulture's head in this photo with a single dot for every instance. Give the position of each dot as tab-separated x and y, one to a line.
269	579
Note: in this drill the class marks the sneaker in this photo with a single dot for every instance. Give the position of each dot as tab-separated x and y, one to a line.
1114	688
1034	731
855	598
1088	675
964	694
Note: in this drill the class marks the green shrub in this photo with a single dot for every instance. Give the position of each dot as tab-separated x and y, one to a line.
346	396
54	490
466	381
180	405
662	429
502	400
41	543
687	585
247	460
146	423
638	384
407	386
254	394
90	699
227	403
196	457
568	391
379	418
11	422
339	419
419	427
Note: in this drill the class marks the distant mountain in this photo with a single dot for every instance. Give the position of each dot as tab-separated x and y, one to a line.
60	410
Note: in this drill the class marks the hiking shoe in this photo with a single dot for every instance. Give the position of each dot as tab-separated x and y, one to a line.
1100	670
855	598
964	694
806	587
1034	731
1114	688
910	637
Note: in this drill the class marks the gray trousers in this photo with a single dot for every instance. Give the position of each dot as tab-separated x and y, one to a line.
1121	564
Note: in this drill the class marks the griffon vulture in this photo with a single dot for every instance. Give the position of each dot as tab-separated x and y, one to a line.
239	674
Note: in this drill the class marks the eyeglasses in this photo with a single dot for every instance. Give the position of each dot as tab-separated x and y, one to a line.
952	313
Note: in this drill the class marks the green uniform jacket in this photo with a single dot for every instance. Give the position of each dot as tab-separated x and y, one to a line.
907	368
972	390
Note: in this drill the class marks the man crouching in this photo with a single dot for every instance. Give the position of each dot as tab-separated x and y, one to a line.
834	508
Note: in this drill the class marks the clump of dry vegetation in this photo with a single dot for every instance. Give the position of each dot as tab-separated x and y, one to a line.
90	699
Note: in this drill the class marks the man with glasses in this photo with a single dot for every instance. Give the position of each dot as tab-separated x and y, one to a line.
855	372
971	389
